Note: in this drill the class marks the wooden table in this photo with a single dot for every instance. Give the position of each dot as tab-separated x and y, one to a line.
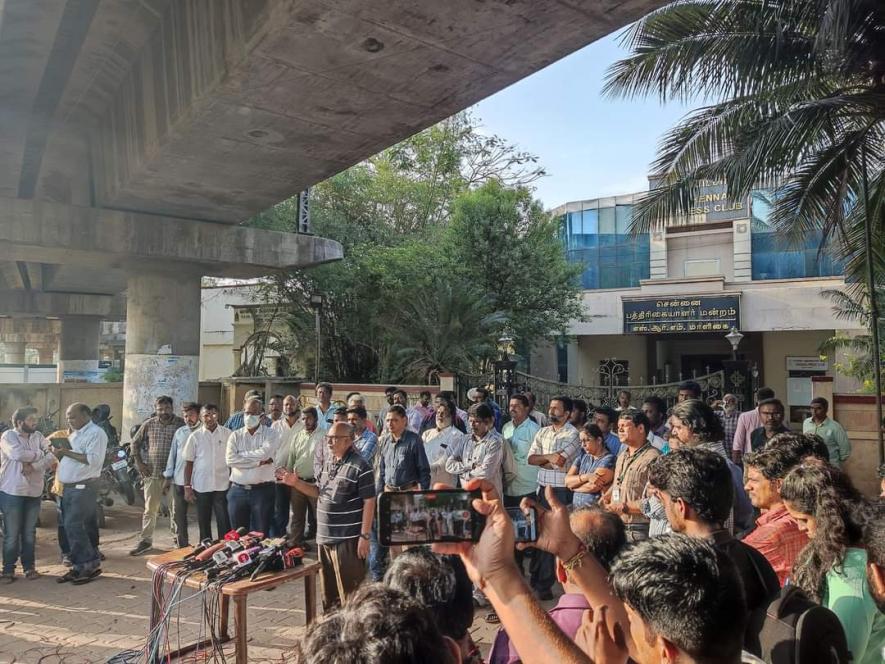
238	591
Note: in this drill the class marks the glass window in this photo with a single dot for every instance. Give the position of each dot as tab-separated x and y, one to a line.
591	222
623	216
606	220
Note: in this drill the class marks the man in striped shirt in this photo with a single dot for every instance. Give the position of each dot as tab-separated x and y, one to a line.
345	494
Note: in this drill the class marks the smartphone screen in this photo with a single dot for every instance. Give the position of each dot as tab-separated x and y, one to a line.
525	526
422	517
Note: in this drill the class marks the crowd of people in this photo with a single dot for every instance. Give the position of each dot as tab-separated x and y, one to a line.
672	531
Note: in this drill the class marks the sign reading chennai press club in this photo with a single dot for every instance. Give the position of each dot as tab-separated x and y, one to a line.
694	313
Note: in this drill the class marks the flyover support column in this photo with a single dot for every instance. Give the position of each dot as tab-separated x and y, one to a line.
78	349
162	342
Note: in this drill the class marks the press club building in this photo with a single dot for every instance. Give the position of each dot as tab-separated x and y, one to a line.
660	304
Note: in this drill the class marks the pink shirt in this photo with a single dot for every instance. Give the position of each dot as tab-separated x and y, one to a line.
567	614
23	462
746	424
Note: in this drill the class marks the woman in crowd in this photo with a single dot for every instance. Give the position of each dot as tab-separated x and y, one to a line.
592	471
832	566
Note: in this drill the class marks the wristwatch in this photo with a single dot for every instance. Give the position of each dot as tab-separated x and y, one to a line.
364	536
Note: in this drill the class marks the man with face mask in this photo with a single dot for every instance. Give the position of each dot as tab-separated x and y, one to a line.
151	447
250	455
174	472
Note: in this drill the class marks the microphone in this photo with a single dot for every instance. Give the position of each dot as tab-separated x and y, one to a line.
235	534
202	546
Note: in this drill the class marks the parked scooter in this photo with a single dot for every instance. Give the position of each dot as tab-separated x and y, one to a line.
115	472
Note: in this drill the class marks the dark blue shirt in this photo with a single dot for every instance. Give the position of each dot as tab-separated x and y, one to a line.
403	462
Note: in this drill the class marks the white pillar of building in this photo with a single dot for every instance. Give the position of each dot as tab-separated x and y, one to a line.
743	250
78	348
162	342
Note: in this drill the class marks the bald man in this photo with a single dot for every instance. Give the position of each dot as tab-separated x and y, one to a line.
345	495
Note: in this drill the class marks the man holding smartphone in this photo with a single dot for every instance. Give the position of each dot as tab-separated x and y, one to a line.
345	495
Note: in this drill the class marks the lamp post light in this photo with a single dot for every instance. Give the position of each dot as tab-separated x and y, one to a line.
504	368
316	303
734	338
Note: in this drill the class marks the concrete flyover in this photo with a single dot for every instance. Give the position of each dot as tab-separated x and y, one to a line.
136	136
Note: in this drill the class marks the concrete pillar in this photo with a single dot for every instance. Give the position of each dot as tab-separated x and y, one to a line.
78	348
14	352
162	342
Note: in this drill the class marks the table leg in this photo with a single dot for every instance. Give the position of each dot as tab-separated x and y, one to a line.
310	598
240	618
225	612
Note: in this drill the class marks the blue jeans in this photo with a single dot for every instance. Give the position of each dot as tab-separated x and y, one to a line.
20	536
378	555
91	528
251	508
279	523
79	509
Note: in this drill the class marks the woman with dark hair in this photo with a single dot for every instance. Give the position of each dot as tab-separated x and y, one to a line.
832	568
592	471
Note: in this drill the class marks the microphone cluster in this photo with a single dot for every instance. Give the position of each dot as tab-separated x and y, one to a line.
241	553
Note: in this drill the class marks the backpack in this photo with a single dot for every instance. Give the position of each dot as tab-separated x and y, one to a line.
508	467
796	630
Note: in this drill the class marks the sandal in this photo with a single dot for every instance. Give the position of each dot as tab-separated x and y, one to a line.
492	618
32	574
7	577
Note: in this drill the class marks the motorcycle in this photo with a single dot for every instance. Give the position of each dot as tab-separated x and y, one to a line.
115	474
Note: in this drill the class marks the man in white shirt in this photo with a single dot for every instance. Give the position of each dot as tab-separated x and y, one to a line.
250	456
440	441
24	458
206	472
287	427
78	471
174	473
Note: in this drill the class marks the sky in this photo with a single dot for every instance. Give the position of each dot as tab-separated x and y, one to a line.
590	145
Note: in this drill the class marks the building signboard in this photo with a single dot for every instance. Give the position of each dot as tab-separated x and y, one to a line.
713	203
695	313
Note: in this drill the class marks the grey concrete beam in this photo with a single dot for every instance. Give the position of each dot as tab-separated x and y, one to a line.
12	277
22	303
135	242
29	326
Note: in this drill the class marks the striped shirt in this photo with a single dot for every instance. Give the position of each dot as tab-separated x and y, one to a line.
344	487
565	442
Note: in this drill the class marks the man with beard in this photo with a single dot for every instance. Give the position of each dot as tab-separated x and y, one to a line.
151	447
174	473
553	450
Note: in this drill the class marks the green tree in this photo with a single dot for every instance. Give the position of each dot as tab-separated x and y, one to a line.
393	215
505	245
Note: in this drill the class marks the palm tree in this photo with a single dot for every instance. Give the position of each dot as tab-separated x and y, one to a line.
798	107
444	329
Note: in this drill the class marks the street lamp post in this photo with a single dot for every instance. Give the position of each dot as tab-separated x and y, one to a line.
316	303
504	368
734	338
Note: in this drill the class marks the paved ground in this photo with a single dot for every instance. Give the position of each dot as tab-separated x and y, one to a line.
42	622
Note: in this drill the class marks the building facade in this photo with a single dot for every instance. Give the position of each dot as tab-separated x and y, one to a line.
658	305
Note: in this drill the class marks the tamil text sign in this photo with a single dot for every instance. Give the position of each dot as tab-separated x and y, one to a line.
699	313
